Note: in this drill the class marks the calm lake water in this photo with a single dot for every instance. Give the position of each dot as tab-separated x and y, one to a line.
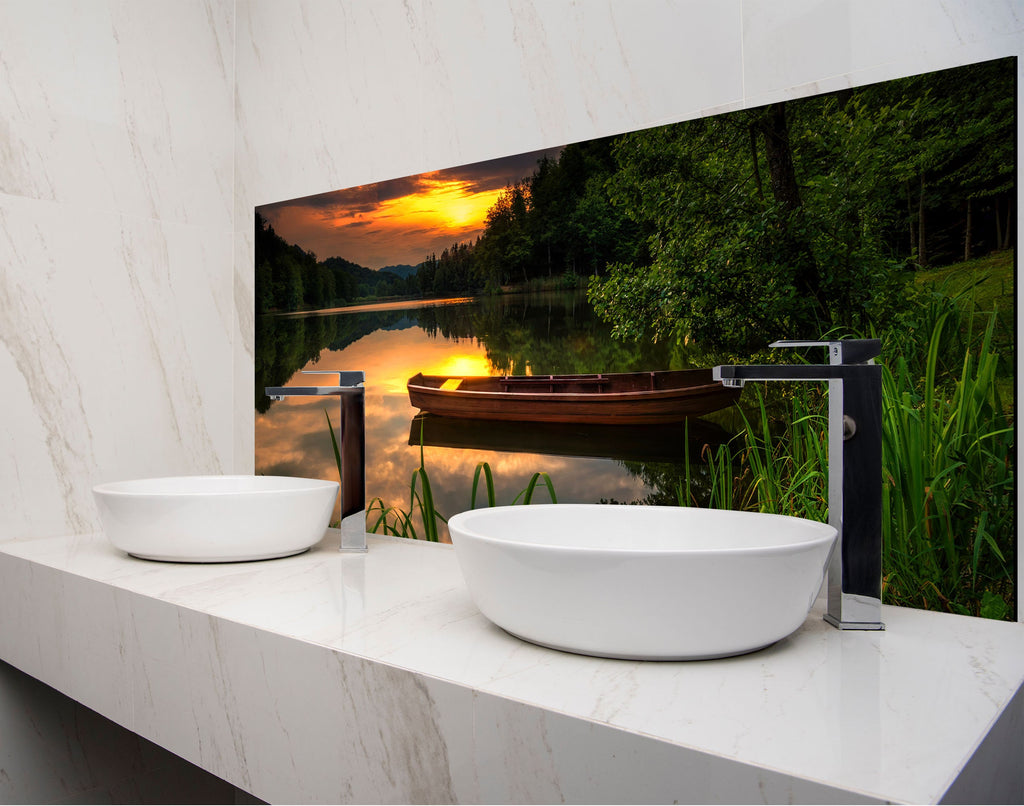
545	333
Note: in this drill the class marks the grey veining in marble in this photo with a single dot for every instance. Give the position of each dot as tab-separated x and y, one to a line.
117	313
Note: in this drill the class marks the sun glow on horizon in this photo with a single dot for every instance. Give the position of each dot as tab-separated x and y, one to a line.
441	204
402	220
407	228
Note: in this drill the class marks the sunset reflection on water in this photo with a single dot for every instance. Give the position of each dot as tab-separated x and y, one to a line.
292	438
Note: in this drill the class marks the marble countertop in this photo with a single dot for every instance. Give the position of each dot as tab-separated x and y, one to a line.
822	715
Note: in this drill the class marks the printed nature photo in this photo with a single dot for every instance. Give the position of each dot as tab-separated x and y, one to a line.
637	262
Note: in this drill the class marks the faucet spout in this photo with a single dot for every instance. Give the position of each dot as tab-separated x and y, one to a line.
351	447
737	375
854	469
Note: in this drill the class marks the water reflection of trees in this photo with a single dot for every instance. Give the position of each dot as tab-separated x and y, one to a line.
544	333
284	345
547	333
667	480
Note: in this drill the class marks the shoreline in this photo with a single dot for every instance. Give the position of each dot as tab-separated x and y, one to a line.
374	306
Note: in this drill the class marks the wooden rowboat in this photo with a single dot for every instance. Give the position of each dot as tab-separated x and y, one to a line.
611	398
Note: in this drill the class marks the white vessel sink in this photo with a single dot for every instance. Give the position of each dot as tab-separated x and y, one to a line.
210	519
647	583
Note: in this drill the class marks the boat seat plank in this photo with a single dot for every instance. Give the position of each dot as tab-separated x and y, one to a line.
554	383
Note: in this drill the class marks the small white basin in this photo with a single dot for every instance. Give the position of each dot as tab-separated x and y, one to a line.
646	583
211	519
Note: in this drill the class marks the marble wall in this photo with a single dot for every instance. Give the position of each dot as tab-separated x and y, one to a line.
62	752
117	316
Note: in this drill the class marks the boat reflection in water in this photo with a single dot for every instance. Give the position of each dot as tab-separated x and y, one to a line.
664	442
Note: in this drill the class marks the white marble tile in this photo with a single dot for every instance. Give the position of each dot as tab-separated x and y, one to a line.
116	334
327	92
342	729
117	312
991	776
464	82
243	365
805	47
531	755
523	76
120	106
52	643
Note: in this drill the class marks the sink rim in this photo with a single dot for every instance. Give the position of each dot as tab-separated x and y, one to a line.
826	533
274	486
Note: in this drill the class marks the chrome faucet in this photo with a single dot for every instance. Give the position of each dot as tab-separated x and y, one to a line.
352	447
854	469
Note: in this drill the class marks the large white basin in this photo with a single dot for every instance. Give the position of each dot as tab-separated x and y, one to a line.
210	519
647	583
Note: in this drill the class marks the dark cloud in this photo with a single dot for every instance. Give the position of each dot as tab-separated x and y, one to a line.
498	173
365	199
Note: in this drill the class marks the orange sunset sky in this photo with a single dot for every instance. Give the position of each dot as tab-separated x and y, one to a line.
400	220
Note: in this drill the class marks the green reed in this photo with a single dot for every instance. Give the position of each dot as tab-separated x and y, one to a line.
393	520
421	498
526	494
765	469
948	482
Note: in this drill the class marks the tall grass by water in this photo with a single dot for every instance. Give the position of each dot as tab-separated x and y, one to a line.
948	504
392	520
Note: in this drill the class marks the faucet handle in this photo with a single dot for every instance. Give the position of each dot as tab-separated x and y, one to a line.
842	351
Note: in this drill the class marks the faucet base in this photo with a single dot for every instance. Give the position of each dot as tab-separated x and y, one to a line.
854	625
353	532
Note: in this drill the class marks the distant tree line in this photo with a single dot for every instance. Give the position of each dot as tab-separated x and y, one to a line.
288	278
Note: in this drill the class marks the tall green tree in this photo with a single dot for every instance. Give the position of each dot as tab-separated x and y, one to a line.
506	248
731	251
795	218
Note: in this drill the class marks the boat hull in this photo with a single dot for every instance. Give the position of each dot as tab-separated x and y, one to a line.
613	399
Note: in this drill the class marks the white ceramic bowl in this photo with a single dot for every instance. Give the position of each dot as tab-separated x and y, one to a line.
648	583
208	519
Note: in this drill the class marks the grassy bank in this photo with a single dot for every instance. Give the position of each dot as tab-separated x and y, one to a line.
987	283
